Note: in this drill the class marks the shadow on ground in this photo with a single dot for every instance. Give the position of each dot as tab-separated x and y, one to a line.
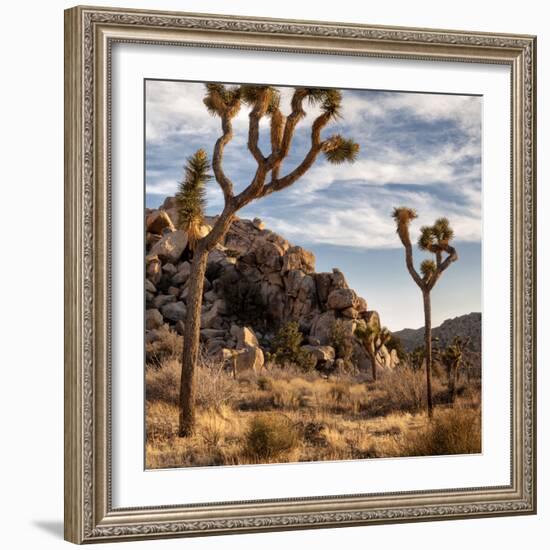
52	527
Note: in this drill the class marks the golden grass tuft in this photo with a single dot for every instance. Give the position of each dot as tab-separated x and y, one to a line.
270	436
453	431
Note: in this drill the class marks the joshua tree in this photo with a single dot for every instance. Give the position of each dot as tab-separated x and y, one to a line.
190	198
373	338
416	357
434	239
264	102
452	357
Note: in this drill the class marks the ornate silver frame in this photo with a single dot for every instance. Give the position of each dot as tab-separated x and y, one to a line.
89	35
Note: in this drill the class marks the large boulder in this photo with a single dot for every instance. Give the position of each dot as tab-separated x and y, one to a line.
245	336
372	320
297	257
342	298
327	282
174	311
248	359
182	274
387	358
321	327
350	312
209	333
161	299
258	224
212	317
321	353
269	257
159	223
153	319
323	283
293	282
338	280
153	269
171	246
306	299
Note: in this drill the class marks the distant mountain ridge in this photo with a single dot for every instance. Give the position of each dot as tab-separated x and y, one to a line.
465	326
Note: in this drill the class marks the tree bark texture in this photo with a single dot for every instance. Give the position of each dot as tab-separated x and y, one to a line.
191	342
428	346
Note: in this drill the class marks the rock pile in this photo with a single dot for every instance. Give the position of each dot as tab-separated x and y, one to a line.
256	281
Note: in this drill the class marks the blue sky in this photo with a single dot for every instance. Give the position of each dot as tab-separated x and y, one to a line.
418	150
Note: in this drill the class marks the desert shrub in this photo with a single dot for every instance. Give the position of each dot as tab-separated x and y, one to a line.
286	348
405	388
270	436
342	342
264	383
162	383
169	345
454	431
214	386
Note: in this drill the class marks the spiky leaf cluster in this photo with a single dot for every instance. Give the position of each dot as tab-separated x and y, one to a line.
190	198
328	99
375	335
436	237
427	240
442	230
251	94
341	150
403	215
427	268
220	99
385	336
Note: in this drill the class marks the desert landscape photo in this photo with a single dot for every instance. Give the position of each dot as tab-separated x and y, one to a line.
312	274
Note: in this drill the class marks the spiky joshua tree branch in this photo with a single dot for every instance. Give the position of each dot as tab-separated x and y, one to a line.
436	240
225	103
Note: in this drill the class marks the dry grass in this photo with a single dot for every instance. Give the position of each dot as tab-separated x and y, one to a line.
168	346
452	432
284	415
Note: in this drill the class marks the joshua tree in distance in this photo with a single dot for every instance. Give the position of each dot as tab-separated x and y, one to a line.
373	339
452	358
434	239
225	103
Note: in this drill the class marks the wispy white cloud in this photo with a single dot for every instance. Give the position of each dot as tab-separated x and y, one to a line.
421	150
363	219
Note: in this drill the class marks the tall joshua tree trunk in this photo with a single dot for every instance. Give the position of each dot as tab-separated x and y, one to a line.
428	346
453	382
373	339
191	341
372	357
225	102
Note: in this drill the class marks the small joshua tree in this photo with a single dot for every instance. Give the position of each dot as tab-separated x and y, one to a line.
190	198
434	239
373	338
225	103
415	358
452	358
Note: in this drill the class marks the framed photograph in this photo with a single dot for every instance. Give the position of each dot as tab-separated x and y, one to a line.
300	274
